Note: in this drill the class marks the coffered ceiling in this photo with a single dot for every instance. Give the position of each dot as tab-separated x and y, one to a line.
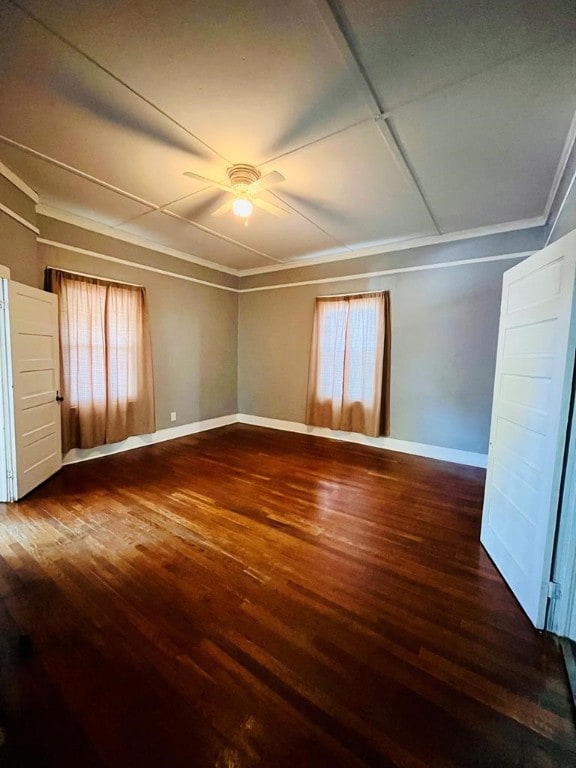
389	119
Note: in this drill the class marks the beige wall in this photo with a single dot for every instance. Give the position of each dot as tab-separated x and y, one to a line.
217	352
18	250
18	242
193	326
402	258
17	201
54	230
444	335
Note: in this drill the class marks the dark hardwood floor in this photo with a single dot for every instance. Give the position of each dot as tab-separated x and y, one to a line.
247	598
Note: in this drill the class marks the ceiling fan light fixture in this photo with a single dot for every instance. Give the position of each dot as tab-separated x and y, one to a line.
246	184
242	207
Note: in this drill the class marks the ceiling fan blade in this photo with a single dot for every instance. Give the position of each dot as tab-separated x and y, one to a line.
216	184
264	182
275	210
223	208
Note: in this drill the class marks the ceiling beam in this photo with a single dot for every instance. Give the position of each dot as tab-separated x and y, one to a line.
227	239
314	142
337	26
76	171
405	166
154	208
54	33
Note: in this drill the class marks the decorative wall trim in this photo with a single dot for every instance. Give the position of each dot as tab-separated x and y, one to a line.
18	218
127	237
372	250
139	441
398	245
127	263
387	443
562	166
322	280
560	209
398	270
17	181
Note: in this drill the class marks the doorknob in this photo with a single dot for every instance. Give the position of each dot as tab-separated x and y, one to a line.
59	397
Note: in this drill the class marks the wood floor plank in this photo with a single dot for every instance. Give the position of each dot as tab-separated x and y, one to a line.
245	597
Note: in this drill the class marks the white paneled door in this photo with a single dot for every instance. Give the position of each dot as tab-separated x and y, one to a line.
33	317
534	369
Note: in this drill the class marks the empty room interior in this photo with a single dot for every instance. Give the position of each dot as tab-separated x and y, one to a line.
287	355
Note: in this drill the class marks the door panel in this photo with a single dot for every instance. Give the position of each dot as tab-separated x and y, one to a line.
529	418
36	379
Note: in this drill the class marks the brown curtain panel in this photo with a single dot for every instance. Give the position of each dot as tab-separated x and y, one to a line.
105	360
348	384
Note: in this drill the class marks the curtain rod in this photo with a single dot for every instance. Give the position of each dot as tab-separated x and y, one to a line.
338	295
95	277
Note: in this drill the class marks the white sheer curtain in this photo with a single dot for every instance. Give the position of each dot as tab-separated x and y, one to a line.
106	360
347	386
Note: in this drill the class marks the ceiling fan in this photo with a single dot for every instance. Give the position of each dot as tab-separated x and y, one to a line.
246	182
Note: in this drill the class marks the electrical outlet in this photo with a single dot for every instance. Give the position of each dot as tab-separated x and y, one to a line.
173	416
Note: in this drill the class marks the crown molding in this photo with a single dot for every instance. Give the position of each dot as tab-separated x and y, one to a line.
392	271
388	246
18	182
276	286
376	249
126	237
18	218
134	264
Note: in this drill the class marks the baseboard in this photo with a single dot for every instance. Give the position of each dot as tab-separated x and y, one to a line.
138	441
390	443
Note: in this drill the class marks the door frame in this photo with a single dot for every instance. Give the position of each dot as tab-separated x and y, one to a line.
561	618
8	489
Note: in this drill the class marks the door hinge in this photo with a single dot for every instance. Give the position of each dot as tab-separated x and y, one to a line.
554	590
2	305
10	474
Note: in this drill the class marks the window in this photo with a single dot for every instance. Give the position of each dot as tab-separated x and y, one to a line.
348	365
99	369
106	365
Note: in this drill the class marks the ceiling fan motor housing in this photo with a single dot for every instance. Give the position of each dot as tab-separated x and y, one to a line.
241	176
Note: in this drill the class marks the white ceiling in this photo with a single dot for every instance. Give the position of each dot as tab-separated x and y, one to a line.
390	119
